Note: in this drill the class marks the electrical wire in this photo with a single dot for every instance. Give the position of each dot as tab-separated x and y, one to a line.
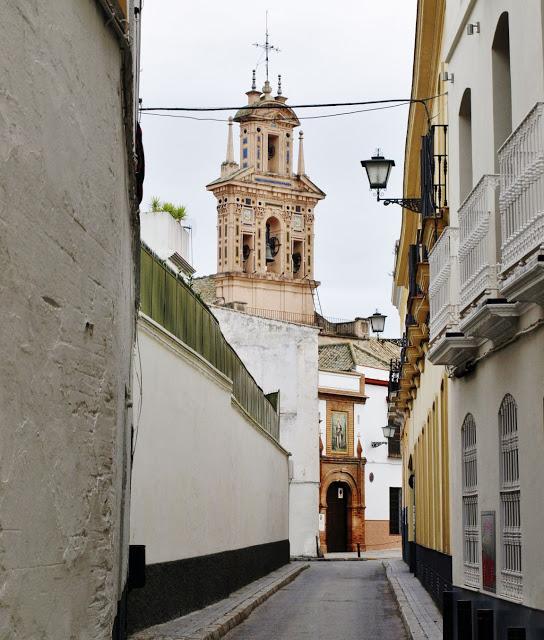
325	115
292	106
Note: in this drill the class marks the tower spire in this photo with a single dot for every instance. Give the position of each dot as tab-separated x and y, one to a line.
230	147
300	170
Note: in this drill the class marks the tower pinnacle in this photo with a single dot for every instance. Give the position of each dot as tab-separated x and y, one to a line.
300	170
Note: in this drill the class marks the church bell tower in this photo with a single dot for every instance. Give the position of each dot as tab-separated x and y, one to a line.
265	213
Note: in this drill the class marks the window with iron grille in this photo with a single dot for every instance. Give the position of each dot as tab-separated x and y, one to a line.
394	510
471	532
393	447
511	570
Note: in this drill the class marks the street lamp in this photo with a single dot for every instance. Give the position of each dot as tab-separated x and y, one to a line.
377	322
378	169
389	431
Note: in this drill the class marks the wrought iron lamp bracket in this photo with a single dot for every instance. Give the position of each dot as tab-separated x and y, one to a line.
413	204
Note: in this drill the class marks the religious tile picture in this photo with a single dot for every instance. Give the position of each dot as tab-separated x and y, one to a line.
339	427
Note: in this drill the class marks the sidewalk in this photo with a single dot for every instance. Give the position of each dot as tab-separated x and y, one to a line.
219	618
421	616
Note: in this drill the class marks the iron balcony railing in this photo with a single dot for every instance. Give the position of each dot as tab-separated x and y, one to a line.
166	299
434	171
395	366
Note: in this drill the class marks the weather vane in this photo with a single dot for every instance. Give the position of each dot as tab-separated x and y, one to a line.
266	46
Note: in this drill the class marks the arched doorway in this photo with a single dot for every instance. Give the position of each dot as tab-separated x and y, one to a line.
338	503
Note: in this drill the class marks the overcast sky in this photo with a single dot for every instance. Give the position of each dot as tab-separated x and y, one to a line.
201	54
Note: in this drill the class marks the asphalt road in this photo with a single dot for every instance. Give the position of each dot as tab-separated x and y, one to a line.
329	601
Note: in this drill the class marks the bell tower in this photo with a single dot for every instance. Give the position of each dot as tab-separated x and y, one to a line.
265	212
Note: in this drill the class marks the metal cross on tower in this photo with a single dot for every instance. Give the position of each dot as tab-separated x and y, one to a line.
266	46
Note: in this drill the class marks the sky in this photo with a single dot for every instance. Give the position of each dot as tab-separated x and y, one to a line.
201	54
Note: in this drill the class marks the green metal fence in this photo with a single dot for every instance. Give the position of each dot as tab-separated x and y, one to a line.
170	302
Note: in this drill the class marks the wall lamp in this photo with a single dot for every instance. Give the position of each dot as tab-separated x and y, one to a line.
377	322
388	432
378	169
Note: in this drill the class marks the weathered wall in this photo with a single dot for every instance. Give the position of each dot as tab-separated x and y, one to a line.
207	480
67	299
283	356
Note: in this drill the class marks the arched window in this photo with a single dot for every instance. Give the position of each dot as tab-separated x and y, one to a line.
471	535
465	145
511	575
502	85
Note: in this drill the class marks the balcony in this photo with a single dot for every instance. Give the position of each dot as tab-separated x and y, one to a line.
442	287
521	164
448	345
478	264
483	314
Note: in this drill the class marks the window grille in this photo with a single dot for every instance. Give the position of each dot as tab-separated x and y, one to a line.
511	570
471	532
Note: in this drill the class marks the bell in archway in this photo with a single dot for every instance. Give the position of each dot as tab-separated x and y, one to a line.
269	254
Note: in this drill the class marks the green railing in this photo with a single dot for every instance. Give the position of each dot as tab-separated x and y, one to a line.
170	302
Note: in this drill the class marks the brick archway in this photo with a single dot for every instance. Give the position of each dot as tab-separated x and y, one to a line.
353	476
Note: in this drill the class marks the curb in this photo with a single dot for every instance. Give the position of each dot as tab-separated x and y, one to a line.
411	623
233	618
401	602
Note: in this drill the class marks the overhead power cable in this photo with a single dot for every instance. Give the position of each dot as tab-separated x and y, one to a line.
292	106
325	115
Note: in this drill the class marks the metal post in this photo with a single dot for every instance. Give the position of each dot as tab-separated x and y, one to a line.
447	615
464	619
358	550
484	624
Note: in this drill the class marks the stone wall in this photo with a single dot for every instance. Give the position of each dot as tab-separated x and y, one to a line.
67	298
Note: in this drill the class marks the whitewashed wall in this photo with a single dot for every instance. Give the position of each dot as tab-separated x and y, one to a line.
370	419
205	478
469	59
518	370
67	299
283	356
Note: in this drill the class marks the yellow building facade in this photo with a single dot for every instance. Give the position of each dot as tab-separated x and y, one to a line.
418	398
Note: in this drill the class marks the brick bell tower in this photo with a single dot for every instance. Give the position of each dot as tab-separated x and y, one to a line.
265	212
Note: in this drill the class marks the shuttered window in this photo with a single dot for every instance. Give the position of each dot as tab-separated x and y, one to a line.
471	533
511	574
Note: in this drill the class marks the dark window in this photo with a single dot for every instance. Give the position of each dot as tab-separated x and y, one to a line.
393	447
394	510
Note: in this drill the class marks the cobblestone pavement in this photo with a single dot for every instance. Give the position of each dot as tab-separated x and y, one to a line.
340	600
419	612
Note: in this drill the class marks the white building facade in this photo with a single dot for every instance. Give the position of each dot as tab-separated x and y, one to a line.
283	356
487	315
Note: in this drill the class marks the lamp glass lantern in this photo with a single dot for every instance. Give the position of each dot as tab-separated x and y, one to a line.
377	322
378	169
389	431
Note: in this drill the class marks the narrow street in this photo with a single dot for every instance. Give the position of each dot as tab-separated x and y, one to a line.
340	600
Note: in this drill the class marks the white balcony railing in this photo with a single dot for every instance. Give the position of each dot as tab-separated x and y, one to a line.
478	259
521	164
443	284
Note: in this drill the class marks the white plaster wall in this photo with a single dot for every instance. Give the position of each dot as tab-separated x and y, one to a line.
283	356
164	235
66	255
518	370
340	381
369	420
469	58
205	478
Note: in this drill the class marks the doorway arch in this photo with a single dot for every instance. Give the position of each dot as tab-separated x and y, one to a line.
338	521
